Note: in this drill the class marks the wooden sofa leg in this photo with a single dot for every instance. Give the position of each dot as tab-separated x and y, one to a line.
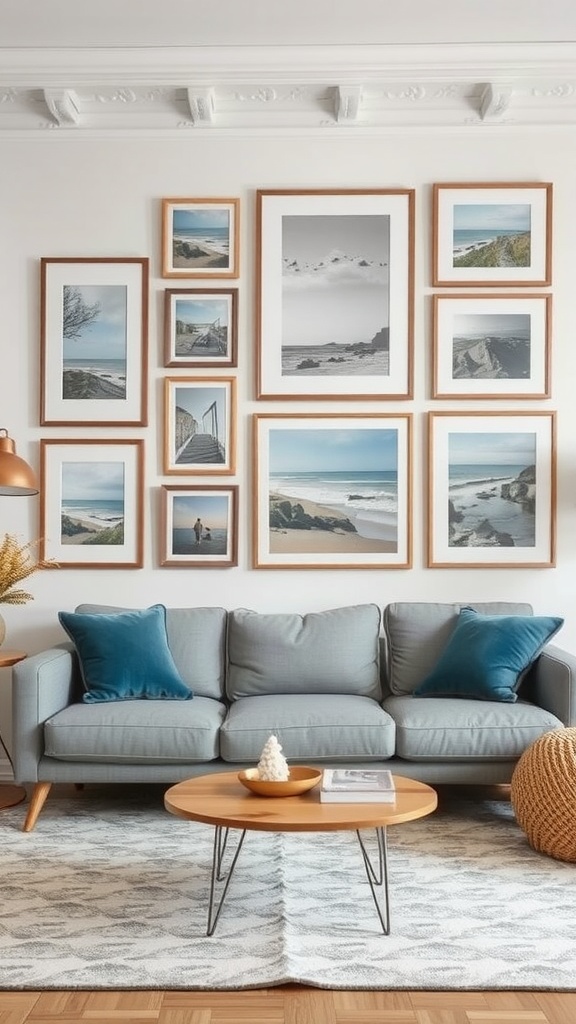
37	801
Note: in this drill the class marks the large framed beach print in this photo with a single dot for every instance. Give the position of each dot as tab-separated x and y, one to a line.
199	527
94	342
199	425
200	327
91	503
492	234
332	491
200	238
492	490
335	280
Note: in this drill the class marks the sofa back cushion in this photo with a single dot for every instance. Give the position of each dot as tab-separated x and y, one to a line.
335	651
418	632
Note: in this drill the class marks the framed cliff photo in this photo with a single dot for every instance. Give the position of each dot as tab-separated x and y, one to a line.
492	234
492	490
335	286
200	238
332	491
491	346
199	527
200	327
91	503
199	425
94	342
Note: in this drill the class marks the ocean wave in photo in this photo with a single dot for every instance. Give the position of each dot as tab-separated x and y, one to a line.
479	507
334	361
368	499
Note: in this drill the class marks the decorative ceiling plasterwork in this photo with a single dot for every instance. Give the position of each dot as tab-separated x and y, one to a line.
245	90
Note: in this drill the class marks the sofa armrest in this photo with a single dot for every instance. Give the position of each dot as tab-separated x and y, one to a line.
551	684
41	686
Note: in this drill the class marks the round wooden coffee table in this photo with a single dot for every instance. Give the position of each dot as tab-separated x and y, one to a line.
220	800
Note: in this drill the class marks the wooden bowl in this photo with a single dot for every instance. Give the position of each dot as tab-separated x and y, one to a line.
301	779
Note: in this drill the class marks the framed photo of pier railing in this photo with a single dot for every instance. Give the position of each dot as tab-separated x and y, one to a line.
492	234
200	238
332	491
199	527
200	327
491	346
492	490
335	286
199	425
94	341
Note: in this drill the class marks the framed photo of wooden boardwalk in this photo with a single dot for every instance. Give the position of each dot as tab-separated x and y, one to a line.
200	238
199	527
332	491
200	425
335	279
492	490
200	327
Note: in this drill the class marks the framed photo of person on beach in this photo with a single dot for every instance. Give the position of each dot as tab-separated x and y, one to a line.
335	289
492	234
200	327
491	346
200	425
91	503
200	238
492	490
332	491
94	342
199	527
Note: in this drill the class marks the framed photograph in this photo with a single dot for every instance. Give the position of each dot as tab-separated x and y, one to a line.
494	234
491	346
335	273
199	527
91	503
332	491
200	237
94	342
200	425
200	327
492	490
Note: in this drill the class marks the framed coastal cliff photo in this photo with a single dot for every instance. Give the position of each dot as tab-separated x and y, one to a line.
200	238
91	503
335	286
492	490
332	491
199	527
200	327
491	346
492	234
94	341
199	425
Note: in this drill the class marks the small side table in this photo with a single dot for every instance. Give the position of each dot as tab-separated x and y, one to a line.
10	795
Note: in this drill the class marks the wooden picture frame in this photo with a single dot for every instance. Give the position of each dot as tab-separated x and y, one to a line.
200	238
199	527
200	327
200	425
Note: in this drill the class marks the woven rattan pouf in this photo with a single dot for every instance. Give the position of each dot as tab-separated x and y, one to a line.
543	794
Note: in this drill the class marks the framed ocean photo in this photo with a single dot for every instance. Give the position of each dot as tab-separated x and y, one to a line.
200	327
200	238
199	526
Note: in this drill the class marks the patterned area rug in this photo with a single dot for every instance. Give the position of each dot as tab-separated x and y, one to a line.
110	892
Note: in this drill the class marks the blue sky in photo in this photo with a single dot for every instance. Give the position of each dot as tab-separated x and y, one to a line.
198	311
330	449
212	510
104	337
198	220
505	449
509	216
93	480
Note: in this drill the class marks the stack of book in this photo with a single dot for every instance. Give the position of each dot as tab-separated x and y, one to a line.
358	786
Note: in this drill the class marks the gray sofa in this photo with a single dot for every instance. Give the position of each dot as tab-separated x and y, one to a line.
334	686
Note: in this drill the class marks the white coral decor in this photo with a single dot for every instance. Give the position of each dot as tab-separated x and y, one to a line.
273	766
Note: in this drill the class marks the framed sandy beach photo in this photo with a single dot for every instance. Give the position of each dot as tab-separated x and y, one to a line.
94	341
200	238
332	491
91	503
492	234
199	425
491	346
199	527
200	327
492	490
335	284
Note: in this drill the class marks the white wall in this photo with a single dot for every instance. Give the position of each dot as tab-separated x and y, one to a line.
64	196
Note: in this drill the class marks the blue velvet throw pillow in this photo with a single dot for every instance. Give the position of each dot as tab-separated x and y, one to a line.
125	656
487	656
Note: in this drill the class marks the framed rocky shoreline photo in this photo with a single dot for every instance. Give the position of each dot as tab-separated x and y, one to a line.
199	526
200	327
199	425
93	341
335	293
332	491
200	238
492	234
491	346
492	490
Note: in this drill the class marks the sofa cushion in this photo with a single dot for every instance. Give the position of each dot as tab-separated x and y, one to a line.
449	729
137	732
311	727
125	656
417	633
335	651
487	655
